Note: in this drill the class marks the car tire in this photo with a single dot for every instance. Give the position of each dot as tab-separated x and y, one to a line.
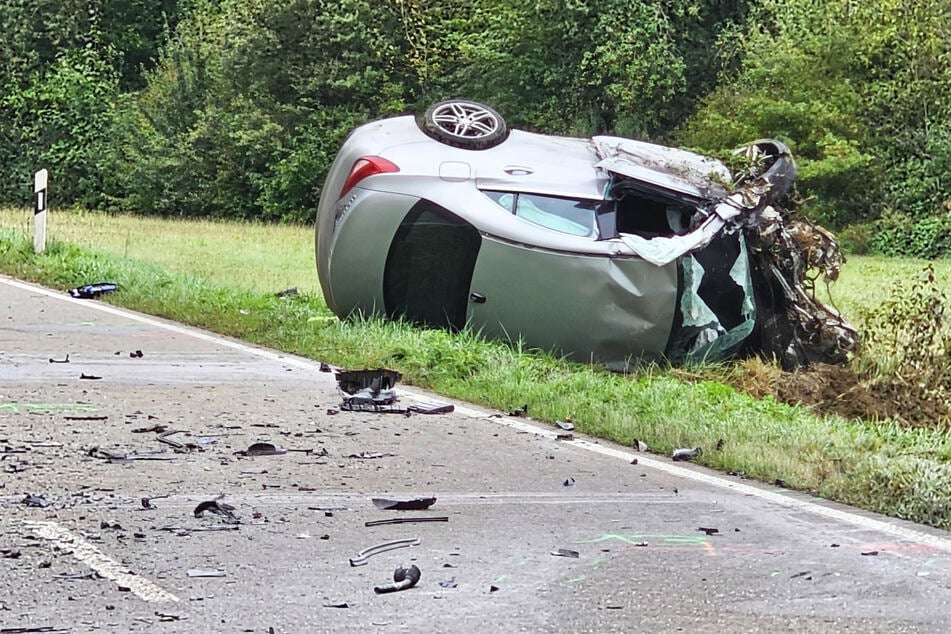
463	124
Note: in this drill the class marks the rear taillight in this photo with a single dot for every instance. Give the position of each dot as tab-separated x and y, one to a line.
364	167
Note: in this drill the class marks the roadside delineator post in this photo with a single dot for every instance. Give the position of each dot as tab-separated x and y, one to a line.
40	204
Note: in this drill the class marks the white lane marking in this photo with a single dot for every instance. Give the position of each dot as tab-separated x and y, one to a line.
861	521
94	558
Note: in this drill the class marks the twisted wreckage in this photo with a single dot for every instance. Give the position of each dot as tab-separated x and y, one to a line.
605	249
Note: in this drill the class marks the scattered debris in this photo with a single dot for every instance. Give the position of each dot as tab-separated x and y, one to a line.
9	553
85	418
870	553
639	445
416	504
31	630
403	578
634	460
687	454
519	411
156	428
90	377
493	588
366	553
431	407
262	449
720	444
564	552
325	367
136	355
66	360
565	437
708	531
337	605
115	456
801	574
35	501
568	482
92	291
202	573
287	292
226	511
565	425
449	583
370	455
780	483
407	520
367	390
164	438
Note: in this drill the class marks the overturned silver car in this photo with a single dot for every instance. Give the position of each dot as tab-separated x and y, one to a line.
606	250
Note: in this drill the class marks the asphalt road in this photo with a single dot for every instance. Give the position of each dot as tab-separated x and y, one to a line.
515	499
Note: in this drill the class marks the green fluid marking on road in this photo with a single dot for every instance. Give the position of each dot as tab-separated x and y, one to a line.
71	407
633	540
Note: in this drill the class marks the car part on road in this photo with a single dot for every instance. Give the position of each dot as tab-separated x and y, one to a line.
371	455
35	501
226	511
565	552
92	291
565	425
202	573
708	531
407	520
367	390
66	360
262	449
90	377
366	553
416	504
403	578
686	454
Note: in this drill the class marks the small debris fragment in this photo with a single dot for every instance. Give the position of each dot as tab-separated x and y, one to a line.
708	531
565	425
219	508
287	292
66	360
564	552
202	573
565	437
35	501
262	449
639	445
416	504
568	482
363	555
407	520
92	291
91	377
520	411
720	444
370	455
136	355
449	583
325	367
780	483
870	553
343	604
403	578
686	454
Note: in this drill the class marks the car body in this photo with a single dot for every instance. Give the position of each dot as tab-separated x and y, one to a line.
605	250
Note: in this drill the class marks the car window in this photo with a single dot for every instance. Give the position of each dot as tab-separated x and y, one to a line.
567	215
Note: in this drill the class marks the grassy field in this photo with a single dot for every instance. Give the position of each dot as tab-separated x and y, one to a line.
223	276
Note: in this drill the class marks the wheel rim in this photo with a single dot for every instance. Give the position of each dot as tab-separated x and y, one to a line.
466	120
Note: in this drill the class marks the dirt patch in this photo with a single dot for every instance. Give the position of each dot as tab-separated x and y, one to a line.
832	389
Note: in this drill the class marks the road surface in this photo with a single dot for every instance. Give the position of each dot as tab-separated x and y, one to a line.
94	543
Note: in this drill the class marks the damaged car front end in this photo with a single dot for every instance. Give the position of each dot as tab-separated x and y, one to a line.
606	250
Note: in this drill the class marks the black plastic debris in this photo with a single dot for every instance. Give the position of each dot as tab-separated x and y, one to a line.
407	520
565	552
370	455
520	411
66	360
287	292
639	445
367	390
10	553
325	367
568	482
262	449
136	355
35	501
92	291
415	504
687	454
708	531
226	511
565	437
91	377
403	578
366	553
449	583
870	553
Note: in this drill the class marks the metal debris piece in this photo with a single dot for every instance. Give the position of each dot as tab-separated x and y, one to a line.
367	390
262	449
370	455
565	425
403	578
203	573
91	377
416	504
431	407
708	531
686	454
35	501
407	520
366	553
568	482
564	552
226	511
66	360
92	291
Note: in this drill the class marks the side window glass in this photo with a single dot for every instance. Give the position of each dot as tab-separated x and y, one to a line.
566	215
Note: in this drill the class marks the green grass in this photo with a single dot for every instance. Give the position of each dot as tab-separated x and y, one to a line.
882	466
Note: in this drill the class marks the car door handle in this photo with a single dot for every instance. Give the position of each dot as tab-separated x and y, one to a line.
477	298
